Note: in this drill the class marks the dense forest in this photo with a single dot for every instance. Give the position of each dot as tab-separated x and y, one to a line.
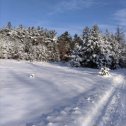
92	48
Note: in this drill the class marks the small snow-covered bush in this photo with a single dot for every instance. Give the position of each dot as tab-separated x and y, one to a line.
104	71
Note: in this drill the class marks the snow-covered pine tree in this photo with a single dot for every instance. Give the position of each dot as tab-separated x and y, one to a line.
75	57
91	48
96	49
114	53
121	42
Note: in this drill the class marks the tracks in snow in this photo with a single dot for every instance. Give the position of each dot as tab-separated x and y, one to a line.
110	110
114	113
101	106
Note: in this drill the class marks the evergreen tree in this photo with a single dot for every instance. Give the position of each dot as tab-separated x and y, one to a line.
96	50
64	46
9	25
120	42
75	57
20	26
76	41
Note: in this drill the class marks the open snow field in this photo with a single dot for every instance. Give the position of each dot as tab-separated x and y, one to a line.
44	94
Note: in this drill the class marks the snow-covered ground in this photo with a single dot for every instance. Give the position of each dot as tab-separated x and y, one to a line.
44	94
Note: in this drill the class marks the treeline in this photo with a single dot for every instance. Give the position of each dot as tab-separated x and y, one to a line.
28	44
90	49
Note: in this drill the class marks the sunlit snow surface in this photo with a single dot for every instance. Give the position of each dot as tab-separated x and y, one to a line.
44	94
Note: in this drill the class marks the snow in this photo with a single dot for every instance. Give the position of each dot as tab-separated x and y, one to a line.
51	94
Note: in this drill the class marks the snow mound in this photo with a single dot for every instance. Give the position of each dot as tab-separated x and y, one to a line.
32	75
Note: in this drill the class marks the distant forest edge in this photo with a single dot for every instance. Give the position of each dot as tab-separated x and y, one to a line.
92	48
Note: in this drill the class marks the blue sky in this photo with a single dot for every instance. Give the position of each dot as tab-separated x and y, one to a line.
62	15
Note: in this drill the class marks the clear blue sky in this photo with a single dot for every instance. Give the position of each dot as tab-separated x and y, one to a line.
62	15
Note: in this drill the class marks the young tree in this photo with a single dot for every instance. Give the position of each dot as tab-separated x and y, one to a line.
75	56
